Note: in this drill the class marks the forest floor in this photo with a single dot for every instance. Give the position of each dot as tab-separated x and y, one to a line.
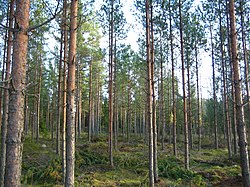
208	167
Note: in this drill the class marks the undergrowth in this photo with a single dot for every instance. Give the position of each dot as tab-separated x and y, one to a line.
42	167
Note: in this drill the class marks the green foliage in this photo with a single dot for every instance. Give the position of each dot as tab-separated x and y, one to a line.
86	157
172	168
49	174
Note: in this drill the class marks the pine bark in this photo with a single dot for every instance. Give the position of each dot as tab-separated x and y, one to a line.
245	57
6	95
156	178
59	95
64	87
186	140
241	126
14	139
149	98
70	112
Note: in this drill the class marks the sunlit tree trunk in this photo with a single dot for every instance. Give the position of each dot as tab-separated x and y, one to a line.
70	112
241	126
245	57
59	94
14	139
234	123
149	99
154	98
65	53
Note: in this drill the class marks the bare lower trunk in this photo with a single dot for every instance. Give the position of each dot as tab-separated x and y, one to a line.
241	126
14	140
6	96
70	130
65	52
186	142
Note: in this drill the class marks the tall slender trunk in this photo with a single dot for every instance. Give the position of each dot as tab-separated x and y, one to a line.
39	98
241	126
186	141
154	98
198	97
6	95
149	98
14	139
91	127
226	106
129	107
162	100
64	85
70	130
189	113
111	58
245	59
235	139
115	102
214	93
59	95
173	80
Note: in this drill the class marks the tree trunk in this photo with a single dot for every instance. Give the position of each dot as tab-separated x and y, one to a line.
39	98
70	112
91	123
241	126
173	80
186	141
149	98
162	100
226	106
59	95
65	53
154	98
6	95
111	58
115	102
214	93
245	59
189	113
14	139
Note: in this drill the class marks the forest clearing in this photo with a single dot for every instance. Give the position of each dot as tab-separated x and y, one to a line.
124	93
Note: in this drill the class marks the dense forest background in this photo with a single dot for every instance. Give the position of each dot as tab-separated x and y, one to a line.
79	95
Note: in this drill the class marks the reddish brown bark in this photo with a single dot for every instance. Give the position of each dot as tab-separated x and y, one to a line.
70	130
14	140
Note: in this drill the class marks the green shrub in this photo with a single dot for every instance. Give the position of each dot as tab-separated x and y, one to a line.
49	174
